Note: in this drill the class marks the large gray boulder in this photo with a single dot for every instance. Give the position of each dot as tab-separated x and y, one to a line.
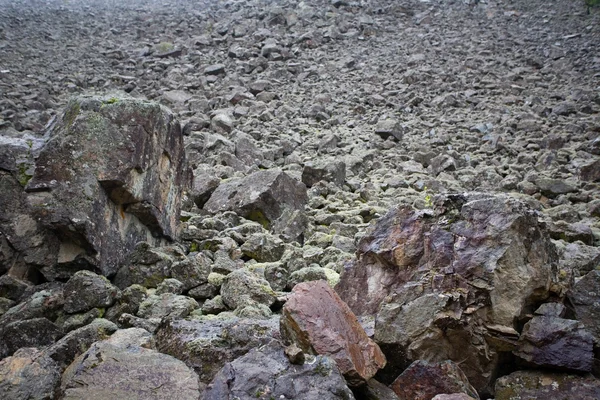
265	373
264	196
207	344
452	282
119	369
28	374
111	175
86	290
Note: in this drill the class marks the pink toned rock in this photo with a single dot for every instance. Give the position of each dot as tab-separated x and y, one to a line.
319	322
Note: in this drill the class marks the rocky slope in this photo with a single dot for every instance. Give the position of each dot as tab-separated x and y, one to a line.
171	170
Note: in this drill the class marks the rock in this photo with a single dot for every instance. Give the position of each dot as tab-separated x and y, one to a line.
453	396
552	342
36	332
222	123
328	171
263	196
127	371
112	175
578	257
584	296
75	321
78	341
203	186
131	298
265	373
5	305
389	127
86	290
375	390
546	385
208	343
423	380
24	242
263	247
243	287
204	291
313	273
551	310
131	321
317	321
214	69
147	266
191	272
167	305
487	254
12	288
590	172
554	187
214	306
28	374
45	302
170	285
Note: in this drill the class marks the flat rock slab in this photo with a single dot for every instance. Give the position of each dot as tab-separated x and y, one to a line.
319	322
113	371
265	373
111	175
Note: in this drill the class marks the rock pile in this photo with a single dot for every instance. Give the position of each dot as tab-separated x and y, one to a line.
319	199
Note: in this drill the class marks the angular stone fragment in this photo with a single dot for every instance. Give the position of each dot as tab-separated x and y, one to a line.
127	371
591	172
425	273
262	196
552	342
328	171
546	385
167	305
35	332
208	343
584	296
319	322
76	342
86	290
389	127
423	380
111	175
265	373
147	266
203	185
28	374
263	247
242	287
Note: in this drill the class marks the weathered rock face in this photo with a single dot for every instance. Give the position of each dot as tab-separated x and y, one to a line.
556	343
545	385
316	320
423	380
34	332
263	196
28	374
265	373
452	282
111	174
125	370
584	296
207	344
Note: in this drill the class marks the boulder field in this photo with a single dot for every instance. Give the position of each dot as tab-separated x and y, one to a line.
319	199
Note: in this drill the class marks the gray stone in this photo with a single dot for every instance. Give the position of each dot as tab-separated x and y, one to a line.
167	305
169	286
263	247
552	342
86	290
584	296
389	128
127	371
265	373
242	287
36	332
262	196
208	343
546	385
327	170
28	375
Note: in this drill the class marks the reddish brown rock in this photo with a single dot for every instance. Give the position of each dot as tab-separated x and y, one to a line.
319	322
423	380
